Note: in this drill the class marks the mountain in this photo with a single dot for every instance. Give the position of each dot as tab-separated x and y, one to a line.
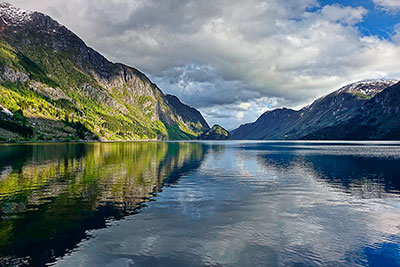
377	119
270	125
217	132
54	87
334	116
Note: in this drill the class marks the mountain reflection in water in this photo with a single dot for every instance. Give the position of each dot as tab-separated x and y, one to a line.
213	203
51	194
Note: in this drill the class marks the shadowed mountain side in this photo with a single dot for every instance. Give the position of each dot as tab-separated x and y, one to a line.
270	125
377	119
351	105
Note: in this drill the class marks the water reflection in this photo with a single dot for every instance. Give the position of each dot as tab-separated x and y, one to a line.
351	168
51	194
222	204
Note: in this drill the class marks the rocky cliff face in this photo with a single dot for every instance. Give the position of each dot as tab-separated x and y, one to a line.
190	116
56	81
351	105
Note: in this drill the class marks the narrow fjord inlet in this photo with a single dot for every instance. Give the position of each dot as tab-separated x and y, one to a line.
195	204
233	133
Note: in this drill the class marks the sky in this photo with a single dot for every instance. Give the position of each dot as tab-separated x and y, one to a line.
234	59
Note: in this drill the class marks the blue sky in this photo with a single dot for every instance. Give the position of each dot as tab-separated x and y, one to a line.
235	59
378	21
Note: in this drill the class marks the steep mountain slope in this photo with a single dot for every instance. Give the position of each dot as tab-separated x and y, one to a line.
189	116
377	119
270	125
61	89
217	132
337	108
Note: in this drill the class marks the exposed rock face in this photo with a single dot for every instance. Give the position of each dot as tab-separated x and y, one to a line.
6	111
7	74
334	116
11	15
187	114
69	81
217	132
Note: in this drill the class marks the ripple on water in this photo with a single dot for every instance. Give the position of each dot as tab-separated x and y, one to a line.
191	204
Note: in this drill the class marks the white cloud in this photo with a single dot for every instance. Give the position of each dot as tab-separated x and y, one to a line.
396	35
393	5
232	115
217	55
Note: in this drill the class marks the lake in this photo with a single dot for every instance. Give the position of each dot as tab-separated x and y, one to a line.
226	203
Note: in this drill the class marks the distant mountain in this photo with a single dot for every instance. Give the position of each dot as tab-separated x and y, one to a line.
362	110
217	132
271	125
54	87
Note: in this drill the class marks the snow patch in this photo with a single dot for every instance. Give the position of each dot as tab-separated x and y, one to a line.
10	14
368	87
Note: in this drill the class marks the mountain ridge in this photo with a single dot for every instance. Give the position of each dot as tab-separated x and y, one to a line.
55	80
316	120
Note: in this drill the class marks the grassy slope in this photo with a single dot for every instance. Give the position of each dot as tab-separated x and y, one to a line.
217	132
77	110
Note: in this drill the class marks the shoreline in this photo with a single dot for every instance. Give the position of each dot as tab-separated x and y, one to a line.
196	140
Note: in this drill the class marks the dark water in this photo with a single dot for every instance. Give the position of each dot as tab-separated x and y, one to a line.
200	204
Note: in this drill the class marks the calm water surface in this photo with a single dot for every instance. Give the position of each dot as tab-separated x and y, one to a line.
200	204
